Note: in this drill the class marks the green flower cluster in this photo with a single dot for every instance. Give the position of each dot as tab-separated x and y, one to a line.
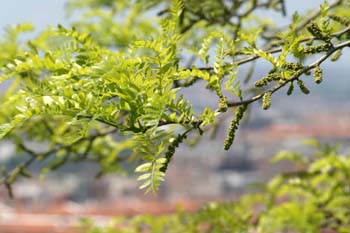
317	48
292	66
277	76
266	101
314	29
318	75
171	150
336	55
290	89
234	126
269	78
341	20
302	87
223	104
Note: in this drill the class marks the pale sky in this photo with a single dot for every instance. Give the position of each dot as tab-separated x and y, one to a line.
39	12
43	12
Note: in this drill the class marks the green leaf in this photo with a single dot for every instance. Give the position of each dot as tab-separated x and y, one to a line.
143	167
144	176
5	129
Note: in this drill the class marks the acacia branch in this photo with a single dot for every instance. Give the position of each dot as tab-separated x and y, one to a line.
298	28
277	50
293	77
316	14
304	23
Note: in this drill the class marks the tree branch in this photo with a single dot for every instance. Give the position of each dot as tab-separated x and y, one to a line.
10	177
294	77
316	14
277	50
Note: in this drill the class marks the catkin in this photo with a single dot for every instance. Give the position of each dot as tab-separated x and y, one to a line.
269	78
315	30
302	87
266	101
336	55
234	126
341	20
290	89
317	48
171	150
318	75
292	66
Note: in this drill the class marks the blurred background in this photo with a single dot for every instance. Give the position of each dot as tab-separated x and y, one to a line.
196	175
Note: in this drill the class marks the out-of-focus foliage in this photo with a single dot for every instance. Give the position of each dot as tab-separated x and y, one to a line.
314	196
107	88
